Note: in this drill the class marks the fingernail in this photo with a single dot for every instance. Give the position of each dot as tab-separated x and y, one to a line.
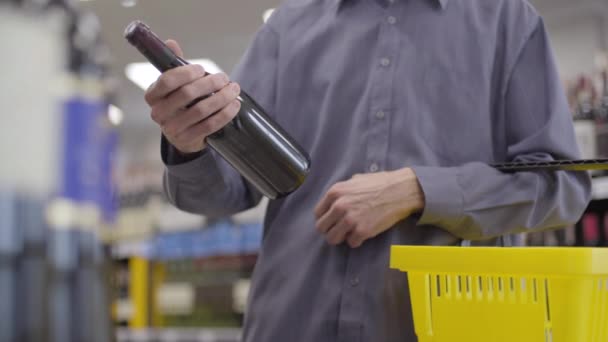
235	88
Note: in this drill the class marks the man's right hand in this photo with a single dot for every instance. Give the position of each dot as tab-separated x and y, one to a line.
187	128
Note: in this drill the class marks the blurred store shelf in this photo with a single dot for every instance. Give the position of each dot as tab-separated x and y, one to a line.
178	335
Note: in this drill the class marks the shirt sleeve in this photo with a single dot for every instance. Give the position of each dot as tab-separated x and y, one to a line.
476	201
206	184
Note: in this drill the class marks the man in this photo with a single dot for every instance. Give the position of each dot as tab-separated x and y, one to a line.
402	105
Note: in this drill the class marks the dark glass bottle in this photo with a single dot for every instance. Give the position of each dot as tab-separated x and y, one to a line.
257	147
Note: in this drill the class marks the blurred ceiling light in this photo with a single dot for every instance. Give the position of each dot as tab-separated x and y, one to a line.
115	115
144	74
267	14
128	3
601	60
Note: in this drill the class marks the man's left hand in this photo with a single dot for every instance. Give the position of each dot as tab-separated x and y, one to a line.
367	205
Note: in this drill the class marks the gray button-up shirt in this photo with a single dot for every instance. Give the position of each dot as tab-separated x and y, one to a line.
444	87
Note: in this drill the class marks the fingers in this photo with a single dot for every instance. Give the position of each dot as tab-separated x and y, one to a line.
210	125
174	46
207	107
331	217
336	235
165	109
339	217
355	239
339	232
172	80
327	201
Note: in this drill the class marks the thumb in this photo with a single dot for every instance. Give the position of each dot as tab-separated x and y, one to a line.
174	46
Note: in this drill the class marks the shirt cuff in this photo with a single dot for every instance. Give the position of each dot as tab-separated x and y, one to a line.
200	167
444	202
171	156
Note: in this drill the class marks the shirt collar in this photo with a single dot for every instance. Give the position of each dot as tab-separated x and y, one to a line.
442	3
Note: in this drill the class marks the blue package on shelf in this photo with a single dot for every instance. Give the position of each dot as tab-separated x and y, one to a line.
107	189
253	237
236	238
223	238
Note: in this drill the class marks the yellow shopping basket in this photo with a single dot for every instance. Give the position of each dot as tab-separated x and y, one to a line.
507	294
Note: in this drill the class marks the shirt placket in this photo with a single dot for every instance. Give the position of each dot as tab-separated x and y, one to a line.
381	106
352	308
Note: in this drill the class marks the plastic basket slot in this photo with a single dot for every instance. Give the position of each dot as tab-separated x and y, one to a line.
459	285
438	285
547	307
429	301
501	289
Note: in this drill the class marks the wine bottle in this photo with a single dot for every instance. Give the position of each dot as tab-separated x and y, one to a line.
256	146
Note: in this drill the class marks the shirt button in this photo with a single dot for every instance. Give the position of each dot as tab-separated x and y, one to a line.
354	282
374	167
380	115
392	20
385	62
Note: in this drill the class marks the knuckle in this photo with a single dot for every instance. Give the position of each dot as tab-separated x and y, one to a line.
361	233
237	89
353	243
356	235
333	193
165	81
350	221
340	207
189	92
227	96
213	101
148	97
155	115
191	72
198	70
201	109
218	81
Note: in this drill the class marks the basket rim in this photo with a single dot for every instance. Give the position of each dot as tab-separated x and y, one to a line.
561	261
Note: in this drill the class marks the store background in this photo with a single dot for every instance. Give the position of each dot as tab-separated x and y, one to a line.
174	276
